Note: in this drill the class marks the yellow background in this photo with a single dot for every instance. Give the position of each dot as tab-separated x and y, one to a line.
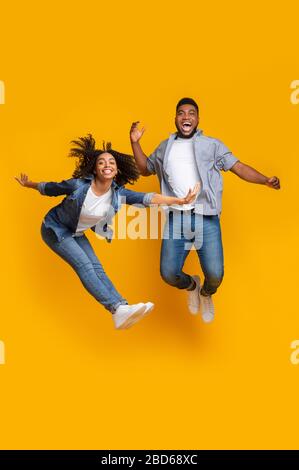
72	381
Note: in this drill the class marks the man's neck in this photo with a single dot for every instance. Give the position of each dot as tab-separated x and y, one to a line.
181	136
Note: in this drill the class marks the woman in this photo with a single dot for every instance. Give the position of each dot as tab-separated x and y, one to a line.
92	199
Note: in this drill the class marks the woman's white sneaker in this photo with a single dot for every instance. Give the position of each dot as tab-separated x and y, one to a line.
127	315
193	297
207	308
149	307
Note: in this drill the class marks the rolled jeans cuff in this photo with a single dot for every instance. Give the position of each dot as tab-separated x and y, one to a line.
192	283
114	307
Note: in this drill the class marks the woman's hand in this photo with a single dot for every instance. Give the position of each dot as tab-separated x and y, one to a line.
191	195
169	200
25	181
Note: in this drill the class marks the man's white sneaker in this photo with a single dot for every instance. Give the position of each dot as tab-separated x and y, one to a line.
193	297
126	315
207	308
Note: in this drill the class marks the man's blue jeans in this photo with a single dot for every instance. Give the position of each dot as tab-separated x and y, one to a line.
78	252
205	233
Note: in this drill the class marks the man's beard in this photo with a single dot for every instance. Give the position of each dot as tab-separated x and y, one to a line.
186	136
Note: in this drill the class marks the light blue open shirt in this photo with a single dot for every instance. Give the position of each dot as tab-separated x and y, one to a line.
211	156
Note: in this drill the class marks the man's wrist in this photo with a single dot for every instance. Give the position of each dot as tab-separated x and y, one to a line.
265	180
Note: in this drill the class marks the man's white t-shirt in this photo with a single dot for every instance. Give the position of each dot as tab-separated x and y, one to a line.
94	208
182	170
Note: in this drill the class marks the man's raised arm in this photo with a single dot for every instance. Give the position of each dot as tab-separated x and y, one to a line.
139	155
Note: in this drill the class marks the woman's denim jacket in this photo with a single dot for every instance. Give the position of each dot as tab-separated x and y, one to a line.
63	218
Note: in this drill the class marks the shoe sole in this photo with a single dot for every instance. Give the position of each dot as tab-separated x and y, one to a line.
132	318
208	320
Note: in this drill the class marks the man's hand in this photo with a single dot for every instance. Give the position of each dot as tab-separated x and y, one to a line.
135	133
273	182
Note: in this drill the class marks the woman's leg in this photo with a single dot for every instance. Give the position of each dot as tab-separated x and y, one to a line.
69	250
84	243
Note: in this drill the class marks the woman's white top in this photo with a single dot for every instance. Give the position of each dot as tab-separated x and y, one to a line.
94	208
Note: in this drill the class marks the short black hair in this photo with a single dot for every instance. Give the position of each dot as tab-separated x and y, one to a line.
187	101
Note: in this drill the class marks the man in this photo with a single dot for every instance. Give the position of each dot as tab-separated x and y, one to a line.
181	161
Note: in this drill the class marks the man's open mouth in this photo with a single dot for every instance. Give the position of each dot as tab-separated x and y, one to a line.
186	126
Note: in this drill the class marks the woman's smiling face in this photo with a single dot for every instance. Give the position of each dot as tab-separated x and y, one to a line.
106	167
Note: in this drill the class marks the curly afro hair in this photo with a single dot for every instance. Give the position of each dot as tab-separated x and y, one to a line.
87	153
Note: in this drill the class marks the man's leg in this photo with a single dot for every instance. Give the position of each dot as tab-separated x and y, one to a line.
211	260
174	253
211	255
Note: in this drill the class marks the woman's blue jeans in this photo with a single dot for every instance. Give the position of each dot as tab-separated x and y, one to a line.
205	233
78	252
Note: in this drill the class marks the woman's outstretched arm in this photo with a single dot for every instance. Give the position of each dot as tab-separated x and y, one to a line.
147	199
50	188
26	182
